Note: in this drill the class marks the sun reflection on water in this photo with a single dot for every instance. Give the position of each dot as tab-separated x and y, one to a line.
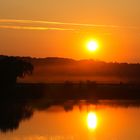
92	120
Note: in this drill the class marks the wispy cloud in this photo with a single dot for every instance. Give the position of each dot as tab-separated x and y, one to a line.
53	23
33	28
74	26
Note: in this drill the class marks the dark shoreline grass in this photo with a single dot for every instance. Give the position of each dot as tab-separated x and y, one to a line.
78	91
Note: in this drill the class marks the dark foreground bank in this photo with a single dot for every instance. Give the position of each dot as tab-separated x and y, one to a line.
73	91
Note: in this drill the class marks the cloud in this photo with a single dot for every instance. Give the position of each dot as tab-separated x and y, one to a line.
33	28
75	26
53	23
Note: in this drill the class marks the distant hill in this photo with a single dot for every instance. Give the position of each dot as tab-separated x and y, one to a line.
54	69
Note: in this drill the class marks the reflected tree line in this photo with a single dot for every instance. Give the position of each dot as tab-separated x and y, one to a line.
13	114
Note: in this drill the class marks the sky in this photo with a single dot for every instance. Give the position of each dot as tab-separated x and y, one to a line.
52	28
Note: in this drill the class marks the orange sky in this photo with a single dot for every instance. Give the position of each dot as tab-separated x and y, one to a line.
61	28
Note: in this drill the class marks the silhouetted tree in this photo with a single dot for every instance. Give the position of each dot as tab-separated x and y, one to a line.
11	68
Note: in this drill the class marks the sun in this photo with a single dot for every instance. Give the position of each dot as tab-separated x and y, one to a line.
92	120
92	46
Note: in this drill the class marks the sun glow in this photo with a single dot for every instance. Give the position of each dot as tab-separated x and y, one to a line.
92	46
92	120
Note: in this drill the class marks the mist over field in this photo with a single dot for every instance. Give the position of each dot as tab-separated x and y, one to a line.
62	69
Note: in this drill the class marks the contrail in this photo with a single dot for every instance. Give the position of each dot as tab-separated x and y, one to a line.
66	23
54	23
33	28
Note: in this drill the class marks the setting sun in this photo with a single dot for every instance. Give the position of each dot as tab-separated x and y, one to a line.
92	120
92	46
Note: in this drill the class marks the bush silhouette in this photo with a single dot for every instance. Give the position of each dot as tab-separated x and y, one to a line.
11	68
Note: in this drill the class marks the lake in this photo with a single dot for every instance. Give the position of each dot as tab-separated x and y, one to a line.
69	120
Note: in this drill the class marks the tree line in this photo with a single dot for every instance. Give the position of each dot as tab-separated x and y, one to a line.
13	67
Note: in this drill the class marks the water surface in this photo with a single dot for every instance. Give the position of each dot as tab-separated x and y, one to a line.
69	120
